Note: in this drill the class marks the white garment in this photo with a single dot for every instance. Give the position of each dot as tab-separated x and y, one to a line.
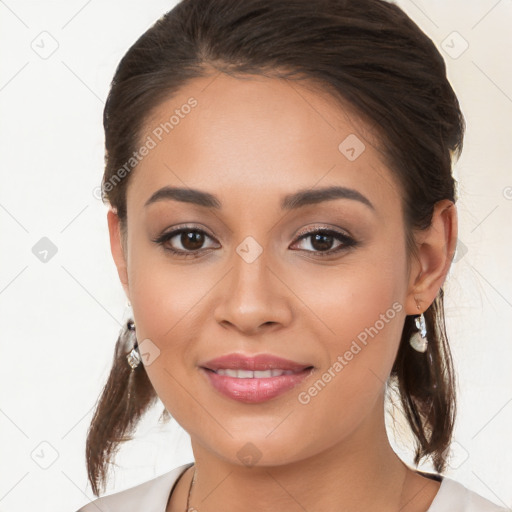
153	495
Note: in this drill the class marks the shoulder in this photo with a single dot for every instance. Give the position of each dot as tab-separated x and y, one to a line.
150	496
455	497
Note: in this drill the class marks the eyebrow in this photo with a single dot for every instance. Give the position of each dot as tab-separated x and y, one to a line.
289	202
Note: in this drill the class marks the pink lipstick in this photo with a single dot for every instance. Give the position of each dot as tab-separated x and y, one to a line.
254	379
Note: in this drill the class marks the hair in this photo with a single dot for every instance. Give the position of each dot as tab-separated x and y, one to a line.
366	53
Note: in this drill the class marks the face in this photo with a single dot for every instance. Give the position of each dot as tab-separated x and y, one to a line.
318	280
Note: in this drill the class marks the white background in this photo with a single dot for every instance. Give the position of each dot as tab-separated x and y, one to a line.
60	319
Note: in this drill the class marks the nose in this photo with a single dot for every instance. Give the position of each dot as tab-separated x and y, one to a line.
253	297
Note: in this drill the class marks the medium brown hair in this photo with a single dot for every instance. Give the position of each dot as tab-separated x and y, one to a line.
367	53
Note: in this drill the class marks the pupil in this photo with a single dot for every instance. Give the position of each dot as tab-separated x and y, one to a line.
192	240
322	246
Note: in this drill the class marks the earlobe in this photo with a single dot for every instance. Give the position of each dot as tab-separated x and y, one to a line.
436	248
116	248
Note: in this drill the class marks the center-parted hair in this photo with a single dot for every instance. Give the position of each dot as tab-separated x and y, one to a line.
366	53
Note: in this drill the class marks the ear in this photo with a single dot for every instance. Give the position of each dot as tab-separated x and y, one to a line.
116	247
436	248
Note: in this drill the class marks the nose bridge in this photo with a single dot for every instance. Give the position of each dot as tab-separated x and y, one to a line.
251	270
253	295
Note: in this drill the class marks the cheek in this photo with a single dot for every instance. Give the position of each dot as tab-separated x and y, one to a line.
346	391
164	293
366	291
166	308
166	301
362	305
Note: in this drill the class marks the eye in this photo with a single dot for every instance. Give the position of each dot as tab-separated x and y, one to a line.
322	240
190	239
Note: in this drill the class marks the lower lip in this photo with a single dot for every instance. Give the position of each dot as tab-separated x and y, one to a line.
255	390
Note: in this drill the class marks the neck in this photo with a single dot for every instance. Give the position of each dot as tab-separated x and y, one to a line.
360	473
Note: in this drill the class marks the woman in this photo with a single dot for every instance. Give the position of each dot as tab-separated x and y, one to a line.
282	221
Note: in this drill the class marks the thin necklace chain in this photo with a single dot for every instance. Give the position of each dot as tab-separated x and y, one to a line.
190	488
194	479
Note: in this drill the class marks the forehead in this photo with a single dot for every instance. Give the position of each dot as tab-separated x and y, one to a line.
258	135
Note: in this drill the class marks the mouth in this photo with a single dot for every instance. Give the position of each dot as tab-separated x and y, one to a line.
254	379
248	374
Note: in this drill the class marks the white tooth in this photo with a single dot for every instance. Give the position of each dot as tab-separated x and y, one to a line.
263	374
245	374
249	374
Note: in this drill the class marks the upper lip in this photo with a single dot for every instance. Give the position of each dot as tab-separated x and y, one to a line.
260	362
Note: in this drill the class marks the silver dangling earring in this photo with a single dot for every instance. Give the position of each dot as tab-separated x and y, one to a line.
418	340
133	357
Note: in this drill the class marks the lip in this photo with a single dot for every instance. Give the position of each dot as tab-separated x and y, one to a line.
254	390
259	362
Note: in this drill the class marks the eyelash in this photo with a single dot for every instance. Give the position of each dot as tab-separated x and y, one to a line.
347	241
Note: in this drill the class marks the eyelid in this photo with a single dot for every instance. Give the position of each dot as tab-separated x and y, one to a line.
185	227
324	228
